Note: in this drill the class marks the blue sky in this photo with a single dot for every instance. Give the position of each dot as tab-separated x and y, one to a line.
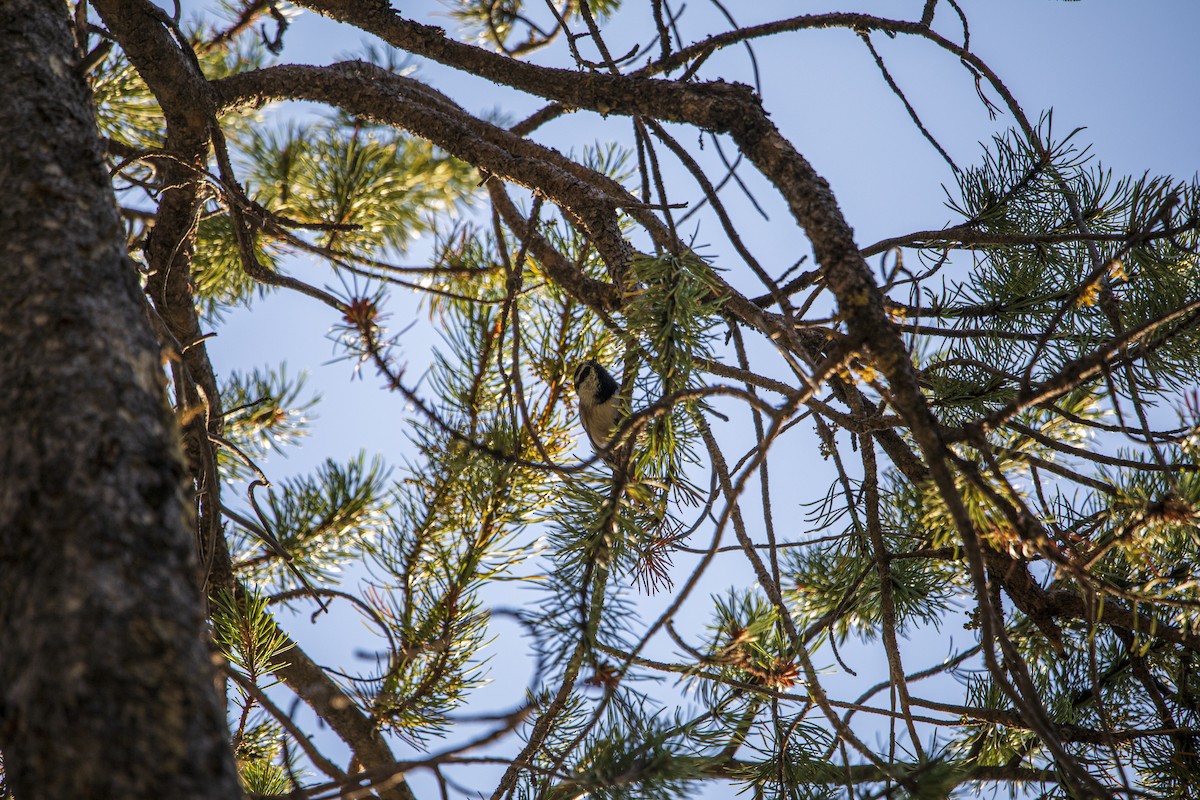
1127	71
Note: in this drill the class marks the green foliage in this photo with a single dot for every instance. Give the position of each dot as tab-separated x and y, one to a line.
322	522
380	184
258	750
839	582
747	645
438	626
1043	292
456	513
1147	531
263	777
599	536
596	547
672	312
645	759
264	414
247	635
1034	439
221	282
495	23
787	763
125	109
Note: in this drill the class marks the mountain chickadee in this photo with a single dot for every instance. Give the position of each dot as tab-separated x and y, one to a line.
599	403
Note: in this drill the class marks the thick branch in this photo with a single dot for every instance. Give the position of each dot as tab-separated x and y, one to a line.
173	75
373	93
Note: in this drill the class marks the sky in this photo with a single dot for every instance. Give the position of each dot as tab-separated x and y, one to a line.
1125	71
1125	74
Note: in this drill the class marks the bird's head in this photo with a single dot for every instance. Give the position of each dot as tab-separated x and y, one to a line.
594	384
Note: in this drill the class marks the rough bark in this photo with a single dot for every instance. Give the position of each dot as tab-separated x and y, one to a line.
106	685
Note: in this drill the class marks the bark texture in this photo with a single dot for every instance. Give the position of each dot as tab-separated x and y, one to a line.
106	686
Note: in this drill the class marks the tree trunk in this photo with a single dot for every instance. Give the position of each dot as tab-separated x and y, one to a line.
106	684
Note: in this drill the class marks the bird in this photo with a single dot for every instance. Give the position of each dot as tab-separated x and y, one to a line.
599	404
600	411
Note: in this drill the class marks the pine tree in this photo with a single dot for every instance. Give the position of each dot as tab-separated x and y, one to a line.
1007	406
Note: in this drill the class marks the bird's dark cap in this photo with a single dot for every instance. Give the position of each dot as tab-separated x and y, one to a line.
607	384
581	372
